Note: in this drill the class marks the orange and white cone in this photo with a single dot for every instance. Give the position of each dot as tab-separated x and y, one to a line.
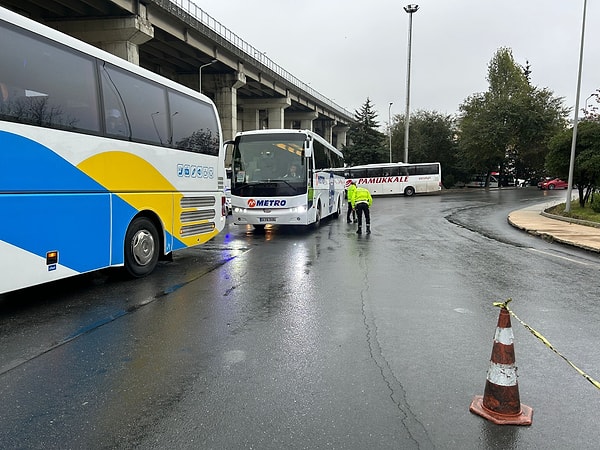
500	402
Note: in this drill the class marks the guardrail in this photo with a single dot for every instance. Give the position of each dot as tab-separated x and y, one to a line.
225	36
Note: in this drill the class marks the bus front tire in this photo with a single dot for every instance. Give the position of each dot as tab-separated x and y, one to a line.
141	247
317	217
409	191
338	210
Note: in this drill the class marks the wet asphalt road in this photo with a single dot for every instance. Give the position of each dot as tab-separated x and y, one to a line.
312	339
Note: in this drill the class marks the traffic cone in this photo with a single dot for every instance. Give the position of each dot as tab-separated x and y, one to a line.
500	402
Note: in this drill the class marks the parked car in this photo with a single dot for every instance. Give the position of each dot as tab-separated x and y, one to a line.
554	183
478	181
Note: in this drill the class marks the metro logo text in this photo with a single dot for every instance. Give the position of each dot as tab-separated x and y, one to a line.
270	203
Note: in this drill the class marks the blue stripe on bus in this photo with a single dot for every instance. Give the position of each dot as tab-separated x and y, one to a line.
29	166
77	225
73	224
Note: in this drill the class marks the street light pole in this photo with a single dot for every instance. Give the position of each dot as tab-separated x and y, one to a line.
200	73
390	128
576	118
410	9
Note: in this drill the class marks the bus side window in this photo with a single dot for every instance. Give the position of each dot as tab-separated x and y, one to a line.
115	122
358	173
375	172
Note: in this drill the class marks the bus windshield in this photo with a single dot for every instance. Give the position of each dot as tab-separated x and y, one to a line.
269	165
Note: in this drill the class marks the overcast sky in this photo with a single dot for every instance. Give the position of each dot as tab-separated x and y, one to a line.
349	50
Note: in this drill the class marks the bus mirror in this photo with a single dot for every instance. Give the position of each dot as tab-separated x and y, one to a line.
228	150
307	149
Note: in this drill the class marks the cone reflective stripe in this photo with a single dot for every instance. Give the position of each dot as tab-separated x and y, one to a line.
501	403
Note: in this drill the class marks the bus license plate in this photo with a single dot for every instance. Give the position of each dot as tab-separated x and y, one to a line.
267	219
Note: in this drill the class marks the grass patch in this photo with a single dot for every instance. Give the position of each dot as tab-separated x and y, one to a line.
577	212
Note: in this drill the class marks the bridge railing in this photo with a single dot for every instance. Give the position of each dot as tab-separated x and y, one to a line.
251	52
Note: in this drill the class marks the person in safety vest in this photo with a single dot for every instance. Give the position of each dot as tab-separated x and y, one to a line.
362	201
350	196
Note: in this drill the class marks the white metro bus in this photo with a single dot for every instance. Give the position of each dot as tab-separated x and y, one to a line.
285	177
104	164
397	178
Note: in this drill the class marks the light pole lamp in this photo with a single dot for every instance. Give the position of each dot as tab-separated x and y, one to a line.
390	128
585	109
410	9
200	73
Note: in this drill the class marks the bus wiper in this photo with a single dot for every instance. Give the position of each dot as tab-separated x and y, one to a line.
288	183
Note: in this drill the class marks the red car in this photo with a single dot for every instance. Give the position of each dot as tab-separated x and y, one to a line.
555	183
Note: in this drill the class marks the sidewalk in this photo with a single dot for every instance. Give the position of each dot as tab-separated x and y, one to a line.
555	228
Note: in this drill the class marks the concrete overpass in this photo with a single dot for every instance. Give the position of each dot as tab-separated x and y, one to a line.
180	41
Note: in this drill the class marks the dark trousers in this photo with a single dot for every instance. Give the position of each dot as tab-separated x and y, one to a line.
360	209
351	213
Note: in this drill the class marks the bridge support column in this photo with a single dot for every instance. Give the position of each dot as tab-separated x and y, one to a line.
341	133
225	88
275	117
274	108
304	119
250	118
121	37
328	130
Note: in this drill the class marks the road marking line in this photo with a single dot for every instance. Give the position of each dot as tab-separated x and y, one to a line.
561	257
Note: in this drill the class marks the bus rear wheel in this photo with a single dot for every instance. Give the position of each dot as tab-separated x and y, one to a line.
141	247
409	191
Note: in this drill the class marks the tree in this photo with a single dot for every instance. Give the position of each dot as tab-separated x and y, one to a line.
509	126
432	139
542	117
586	168
367	143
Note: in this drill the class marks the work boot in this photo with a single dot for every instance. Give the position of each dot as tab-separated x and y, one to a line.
359	231
368	229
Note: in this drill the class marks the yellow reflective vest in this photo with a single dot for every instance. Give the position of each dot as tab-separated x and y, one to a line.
361	195
350	193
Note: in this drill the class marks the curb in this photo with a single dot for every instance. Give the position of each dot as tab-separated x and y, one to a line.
552	237
587	223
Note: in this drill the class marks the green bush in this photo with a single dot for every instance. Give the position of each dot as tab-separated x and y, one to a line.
595	203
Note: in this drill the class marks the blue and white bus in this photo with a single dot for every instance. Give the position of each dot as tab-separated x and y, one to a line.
264	191
103	163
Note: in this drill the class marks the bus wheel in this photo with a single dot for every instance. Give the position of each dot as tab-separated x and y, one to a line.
409	191
318	216
141	247
338	211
